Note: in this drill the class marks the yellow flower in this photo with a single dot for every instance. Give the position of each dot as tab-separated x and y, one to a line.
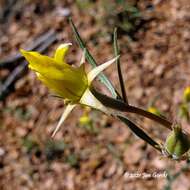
84	120
70	83
154	110
64	80
186	94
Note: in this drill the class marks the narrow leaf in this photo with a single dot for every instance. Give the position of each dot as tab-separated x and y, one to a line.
123	107
91	60
116	51
139	132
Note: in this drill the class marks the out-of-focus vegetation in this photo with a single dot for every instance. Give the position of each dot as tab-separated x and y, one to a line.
122	14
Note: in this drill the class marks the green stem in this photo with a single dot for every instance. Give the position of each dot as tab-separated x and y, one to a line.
123	107
149	115
139	132
121	81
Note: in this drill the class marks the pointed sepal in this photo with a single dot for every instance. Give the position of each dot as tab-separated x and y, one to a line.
82	61
97	70
65	114
88	99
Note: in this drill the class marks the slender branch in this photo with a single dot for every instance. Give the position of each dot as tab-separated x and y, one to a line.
116	51
123	107
11	60
21	69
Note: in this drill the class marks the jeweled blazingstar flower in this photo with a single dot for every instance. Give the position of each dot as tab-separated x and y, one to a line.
70	83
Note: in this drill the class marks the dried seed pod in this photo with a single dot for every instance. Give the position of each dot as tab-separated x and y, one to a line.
177	143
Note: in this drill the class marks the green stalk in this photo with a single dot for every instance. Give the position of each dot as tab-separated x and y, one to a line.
139	132
123	107
121	81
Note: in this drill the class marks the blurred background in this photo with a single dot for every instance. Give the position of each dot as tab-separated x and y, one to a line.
92	151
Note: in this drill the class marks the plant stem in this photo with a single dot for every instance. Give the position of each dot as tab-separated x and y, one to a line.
123	107
149	115
139	132
121	81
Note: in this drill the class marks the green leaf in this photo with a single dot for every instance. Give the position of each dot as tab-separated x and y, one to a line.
116	51
123	107
139	132
91	60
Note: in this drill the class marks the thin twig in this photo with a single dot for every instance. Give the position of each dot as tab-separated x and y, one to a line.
10	61
7	9
21	69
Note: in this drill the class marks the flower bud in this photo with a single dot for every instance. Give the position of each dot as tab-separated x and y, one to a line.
177	143
186	94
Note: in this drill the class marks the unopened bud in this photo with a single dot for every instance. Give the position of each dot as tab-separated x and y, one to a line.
177	143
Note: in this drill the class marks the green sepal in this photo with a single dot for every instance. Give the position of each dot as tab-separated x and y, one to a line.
177	143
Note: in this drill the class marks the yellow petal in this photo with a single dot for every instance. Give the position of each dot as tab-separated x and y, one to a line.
65	80
63	88
49	68
65	114
60	52
44	65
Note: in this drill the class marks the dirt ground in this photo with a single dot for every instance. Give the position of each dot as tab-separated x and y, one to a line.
104	154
